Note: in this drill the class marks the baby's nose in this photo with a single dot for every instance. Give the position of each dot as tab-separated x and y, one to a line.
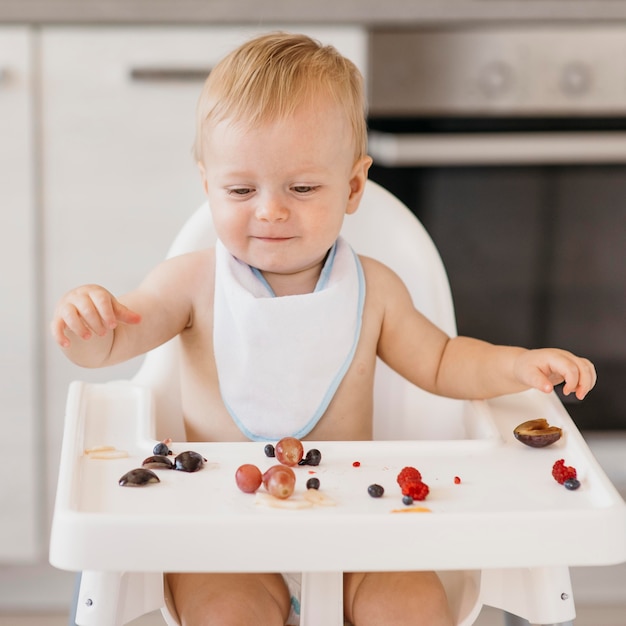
272	209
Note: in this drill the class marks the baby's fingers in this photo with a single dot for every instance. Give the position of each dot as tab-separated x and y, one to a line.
69	319
582	380
124	314
58	327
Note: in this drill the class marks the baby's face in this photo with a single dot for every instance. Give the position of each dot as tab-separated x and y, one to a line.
279	192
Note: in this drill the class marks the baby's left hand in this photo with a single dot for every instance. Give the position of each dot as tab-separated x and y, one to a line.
547	367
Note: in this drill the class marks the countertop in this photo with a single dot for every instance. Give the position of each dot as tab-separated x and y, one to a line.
401	13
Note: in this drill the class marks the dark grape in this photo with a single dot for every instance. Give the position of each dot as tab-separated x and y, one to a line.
158	461
313	457
269	450
189	461
313	483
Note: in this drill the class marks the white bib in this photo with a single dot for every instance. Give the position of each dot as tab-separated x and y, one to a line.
280	359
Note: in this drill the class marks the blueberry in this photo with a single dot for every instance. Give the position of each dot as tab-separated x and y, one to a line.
376	491
269	450
571	484
313	457
161	449
407	500
313	483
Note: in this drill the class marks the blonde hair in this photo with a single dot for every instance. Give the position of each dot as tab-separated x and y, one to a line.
268	77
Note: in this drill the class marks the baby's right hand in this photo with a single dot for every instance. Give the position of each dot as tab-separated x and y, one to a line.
89	310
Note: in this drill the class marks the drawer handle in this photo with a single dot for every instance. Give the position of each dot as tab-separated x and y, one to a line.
169	74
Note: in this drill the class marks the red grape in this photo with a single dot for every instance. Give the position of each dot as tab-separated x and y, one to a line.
248	478
289	451
280	481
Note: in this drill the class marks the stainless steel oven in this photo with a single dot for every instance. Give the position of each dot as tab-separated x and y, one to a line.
509	143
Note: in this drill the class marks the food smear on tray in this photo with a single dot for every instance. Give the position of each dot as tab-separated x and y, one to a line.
105	452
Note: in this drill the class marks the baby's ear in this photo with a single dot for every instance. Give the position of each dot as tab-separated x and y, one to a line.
358	179
202	170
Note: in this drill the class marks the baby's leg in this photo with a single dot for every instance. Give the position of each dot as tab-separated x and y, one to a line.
396	599
230	599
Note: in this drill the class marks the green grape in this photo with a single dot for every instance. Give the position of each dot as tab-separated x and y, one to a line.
248	478
280	481
289	451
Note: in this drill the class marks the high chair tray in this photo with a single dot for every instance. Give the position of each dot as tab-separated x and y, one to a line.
507	510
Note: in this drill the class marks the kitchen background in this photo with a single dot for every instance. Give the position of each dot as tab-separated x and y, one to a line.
501	124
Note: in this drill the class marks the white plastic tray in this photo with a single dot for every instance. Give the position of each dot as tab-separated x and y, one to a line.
501	514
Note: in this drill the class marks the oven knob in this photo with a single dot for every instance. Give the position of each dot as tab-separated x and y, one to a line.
495	79
576	79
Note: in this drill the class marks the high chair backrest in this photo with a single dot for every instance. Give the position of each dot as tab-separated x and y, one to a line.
382	228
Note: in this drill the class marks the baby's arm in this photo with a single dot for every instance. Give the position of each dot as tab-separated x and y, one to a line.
94	328
462	367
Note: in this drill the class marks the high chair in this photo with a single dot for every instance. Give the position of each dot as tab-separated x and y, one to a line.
113	593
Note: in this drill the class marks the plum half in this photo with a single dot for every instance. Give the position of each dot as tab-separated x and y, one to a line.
537	433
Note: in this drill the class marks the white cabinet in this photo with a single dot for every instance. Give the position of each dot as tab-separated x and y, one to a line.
118	117
20	398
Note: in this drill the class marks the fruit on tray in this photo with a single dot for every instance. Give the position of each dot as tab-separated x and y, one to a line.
312	457
162	448
537	433
572	484
139	477
416	489
248	477
158	461
411	484
289	451
313	483
563	473
280	481
375	490
408	473
189	461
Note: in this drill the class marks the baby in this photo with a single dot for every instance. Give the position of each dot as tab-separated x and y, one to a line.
280	325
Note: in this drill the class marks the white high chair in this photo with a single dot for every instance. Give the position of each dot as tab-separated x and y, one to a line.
385	229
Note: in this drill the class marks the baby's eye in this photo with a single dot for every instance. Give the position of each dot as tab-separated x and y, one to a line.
239	191
304	188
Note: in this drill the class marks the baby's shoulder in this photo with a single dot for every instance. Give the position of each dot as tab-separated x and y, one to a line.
381	280
197	261
185	272
375	270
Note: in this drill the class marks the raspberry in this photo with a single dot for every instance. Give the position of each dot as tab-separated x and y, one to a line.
415	489
562	472
408	473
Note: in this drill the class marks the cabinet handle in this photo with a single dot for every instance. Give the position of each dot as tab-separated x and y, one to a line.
169	74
